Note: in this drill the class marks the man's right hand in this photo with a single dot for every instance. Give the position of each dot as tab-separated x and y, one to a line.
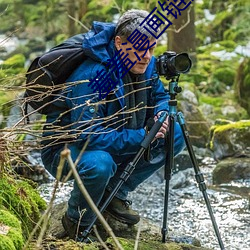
164	128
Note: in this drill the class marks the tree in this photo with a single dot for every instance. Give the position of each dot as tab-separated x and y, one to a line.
181	38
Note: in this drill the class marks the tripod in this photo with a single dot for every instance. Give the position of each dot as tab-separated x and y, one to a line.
173	90
169	163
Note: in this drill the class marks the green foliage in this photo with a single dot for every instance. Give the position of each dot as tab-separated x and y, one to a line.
159	50
12	67
60	38
16	61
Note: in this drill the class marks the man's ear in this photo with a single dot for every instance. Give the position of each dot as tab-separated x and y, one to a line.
118	42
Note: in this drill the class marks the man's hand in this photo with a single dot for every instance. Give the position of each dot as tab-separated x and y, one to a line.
164	128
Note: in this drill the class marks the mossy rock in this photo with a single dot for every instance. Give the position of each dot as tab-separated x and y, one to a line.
10	231
22	200
231	169
232	139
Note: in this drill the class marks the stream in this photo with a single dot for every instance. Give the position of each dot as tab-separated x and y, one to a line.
187	212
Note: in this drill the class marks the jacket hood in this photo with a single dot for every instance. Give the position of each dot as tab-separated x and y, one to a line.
98	43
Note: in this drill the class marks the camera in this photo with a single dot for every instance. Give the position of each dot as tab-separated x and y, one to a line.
171	65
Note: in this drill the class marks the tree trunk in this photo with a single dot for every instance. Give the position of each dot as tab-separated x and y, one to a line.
181	35
83	7
72	14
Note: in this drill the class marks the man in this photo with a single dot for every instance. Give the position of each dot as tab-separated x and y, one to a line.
112	128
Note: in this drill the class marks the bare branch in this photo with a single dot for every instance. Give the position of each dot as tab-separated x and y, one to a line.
79	22
66	154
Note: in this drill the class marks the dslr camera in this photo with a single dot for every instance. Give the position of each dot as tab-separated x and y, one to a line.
171	65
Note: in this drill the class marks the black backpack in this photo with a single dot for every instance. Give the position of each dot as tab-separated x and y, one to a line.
48	73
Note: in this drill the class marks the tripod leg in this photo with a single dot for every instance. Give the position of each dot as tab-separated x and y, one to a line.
168	173
199	176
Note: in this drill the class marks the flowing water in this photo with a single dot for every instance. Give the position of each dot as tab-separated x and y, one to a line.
187	212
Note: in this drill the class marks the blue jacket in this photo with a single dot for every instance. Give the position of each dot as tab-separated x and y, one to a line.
105	132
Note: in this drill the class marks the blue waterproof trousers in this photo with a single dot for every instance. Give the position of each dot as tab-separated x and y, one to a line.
99	171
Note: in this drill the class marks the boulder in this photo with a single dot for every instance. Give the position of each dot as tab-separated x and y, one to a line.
231	139
231	169
197	125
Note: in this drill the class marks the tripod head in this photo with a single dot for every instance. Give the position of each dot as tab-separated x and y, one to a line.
174	89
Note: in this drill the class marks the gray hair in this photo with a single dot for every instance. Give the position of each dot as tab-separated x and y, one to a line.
130	21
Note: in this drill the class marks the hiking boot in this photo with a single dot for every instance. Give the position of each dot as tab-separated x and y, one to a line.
121	211
75	231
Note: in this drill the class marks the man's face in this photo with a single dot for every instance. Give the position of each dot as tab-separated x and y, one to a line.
140	66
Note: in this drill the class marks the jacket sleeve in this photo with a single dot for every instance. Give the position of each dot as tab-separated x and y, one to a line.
88	123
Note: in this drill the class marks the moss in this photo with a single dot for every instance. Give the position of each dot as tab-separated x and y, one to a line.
13	239
22	200
128	244
212	100
236	125
16	237
6	243
9	219
224	75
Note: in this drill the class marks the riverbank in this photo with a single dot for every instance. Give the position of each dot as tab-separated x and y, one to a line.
188	215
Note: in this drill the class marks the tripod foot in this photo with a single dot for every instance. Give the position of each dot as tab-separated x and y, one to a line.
164	232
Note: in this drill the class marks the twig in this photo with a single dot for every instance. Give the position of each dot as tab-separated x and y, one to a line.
99	238
45	217
137	236
77	21
66	154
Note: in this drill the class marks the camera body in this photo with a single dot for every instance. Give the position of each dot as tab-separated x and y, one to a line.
171	65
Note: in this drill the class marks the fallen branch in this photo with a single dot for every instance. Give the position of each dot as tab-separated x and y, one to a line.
66	154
